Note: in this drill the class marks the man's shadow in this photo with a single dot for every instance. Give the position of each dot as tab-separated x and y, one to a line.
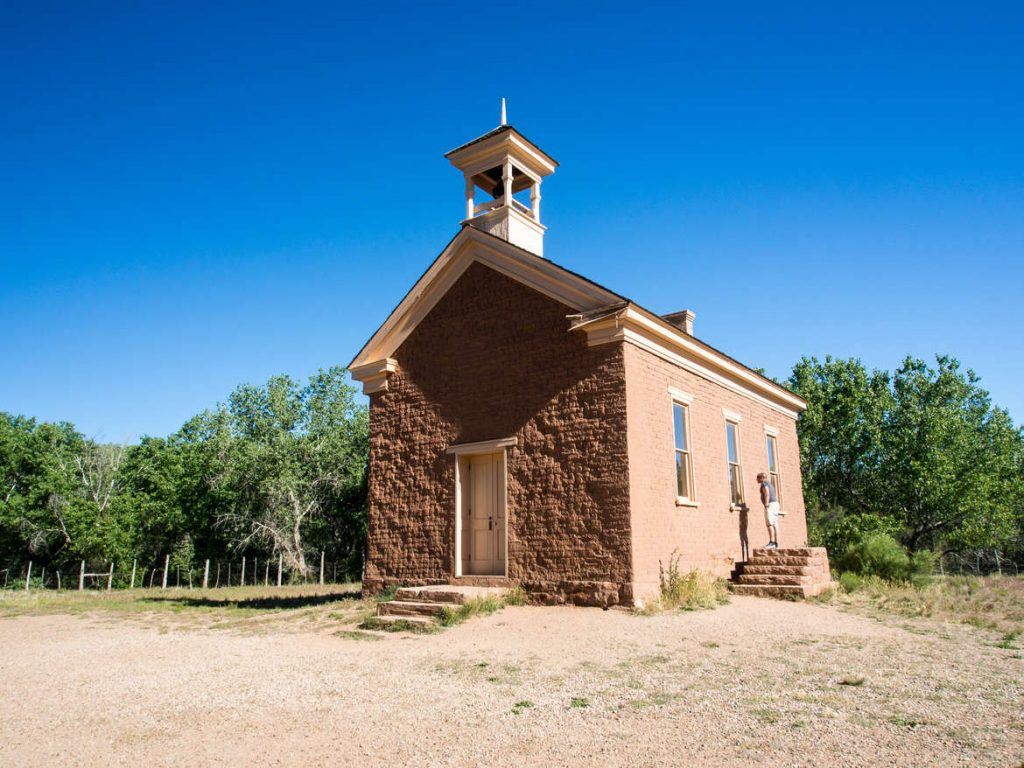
744	540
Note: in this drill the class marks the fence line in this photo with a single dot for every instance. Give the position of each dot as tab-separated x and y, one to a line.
110	575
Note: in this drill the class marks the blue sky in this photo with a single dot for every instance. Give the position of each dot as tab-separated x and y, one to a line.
195	196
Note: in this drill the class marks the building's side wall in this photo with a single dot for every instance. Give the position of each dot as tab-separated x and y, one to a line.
711	536
494	359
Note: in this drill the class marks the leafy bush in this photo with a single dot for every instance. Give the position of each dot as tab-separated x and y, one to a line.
880	555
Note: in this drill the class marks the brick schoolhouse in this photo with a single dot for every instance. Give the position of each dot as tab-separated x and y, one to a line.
529	426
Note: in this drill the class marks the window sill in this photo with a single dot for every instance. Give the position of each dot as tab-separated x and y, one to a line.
681	502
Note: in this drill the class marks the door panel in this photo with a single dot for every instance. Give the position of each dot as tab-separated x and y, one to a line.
485	518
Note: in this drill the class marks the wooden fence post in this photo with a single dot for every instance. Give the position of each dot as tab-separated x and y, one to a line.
321	566
167	567
266	576
134	563
242	582
28	574
110	576
218	575
81	577
229	573
255	571
206	574
279	558
58	581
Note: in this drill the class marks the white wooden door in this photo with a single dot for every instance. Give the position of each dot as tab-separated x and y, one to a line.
484	517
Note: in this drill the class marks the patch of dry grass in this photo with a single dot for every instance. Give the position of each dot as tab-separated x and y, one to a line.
691	591
989	602
241	608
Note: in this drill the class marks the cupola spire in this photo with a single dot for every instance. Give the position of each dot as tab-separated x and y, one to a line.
503	164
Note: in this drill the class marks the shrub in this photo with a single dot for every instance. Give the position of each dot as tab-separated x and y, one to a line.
880	555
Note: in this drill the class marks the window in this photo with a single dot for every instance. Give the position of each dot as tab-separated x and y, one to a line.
684	463
732	438
773	465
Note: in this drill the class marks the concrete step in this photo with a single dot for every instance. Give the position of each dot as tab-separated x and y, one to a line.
414	621
410	608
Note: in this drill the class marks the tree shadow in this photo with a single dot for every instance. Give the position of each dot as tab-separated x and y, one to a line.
271	603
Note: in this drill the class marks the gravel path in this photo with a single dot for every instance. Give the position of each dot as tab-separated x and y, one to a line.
755	682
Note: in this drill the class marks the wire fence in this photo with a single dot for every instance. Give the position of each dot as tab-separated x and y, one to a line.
165	574
980	562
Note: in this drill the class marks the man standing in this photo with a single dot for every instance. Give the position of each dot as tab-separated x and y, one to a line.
770	501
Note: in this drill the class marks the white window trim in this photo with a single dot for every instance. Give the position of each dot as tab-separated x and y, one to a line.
774	433
683	399
735	418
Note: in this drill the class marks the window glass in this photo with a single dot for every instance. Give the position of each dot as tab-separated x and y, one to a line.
679	423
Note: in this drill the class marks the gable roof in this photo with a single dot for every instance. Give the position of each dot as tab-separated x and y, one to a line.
468	246
600	311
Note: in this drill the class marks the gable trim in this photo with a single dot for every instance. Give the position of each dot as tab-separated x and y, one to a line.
468	246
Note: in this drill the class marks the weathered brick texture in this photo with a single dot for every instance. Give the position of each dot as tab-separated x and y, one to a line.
711	536
591	482
495	359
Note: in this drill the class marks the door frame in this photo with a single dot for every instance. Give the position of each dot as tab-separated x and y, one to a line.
462	453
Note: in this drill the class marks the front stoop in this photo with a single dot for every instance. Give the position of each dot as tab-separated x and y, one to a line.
784	573
421	605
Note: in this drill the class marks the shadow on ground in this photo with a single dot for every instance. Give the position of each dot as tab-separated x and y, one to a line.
260	603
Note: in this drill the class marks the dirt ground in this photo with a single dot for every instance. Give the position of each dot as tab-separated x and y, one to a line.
756	682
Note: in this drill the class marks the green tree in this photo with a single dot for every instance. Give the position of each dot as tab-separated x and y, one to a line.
922	454
289	463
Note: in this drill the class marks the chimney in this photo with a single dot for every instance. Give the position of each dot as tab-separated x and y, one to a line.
682	320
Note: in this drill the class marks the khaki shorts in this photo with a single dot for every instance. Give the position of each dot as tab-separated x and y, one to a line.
771	513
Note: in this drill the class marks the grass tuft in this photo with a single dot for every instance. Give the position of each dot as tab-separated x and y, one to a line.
521	706
477	606
852	681
691	591
401	625
579	703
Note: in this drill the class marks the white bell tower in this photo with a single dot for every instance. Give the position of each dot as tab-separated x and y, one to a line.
502	164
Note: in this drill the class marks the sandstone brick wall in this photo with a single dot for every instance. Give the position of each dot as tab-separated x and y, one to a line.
710	536
494	359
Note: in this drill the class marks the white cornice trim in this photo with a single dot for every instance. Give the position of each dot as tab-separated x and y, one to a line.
374	376
635	327
773	431
483	446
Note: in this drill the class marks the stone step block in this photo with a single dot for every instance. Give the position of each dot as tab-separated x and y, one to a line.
787	580
759	558
413	621
410	608
432	595
778	570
